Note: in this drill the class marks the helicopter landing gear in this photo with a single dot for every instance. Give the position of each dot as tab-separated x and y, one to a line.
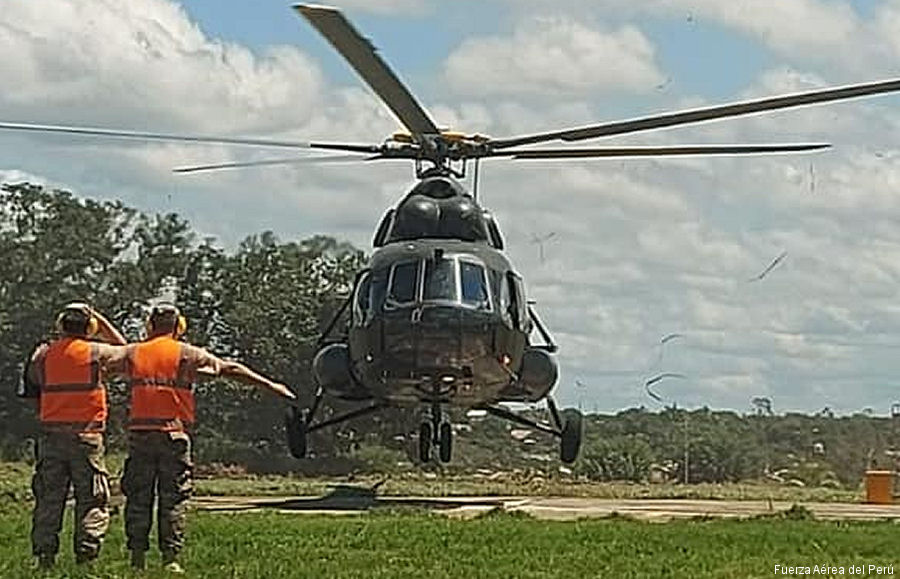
425	442
445	442
568	432
435	432
570	439
299	424
295	424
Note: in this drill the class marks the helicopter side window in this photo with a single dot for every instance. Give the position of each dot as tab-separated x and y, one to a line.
501	290
384	228
440	280
474	285
518	307
522	305
404	283
377	290
362	301
493	230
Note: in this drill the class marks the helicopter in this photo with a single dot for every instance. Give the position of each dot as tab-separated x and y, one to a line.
439	316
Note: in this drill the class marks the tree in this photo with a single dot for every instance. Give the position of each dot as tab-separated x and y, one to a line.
56	249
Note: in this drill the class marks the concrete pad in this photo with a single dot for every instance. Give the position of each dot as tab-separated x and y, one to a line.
551	508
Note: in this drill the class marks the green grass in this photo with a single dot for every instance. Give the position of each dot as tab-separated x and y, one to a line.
270	545
15	485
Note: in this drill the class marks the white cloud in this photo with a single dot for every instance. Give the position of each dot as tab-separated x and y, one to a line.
145	64
832	33
788	26
552	57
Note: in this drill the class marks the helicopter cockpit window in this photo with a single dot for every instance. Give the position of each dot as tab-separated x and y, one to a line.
474	285
404	282
440	280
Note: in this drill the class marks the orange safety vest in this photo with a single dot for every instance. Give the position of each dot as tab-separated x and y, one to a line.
72	397
161	396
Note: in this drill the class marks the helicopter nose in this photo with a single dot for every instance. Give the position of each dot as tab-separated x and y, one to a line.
442	336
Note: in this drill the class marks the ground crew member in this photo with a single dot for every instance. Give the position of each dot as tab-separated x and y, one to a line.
68	373
161	372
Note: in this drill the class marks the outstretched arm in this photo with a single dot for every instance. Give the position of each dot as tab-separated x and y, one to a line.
244	374
108	332
208	366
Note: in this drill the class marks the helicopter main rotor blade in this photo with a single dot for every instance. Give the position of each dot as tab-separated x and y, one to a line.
171	137
737	109
270	162
362	56
665	151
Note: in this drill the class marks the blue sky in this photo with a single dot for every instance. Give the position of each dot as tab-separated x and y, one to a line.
642	248
414	42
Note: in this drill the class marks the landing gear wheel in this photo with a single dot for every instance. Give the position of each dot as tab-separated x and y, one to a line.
295	425
570	441
425	442
445	442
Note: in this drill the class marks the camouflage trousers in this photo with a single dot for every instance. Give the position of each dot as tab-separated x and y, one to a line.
64	458
159	463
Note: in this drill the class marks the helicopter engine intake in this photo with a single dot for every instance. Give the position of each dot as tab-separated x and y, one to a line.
538	374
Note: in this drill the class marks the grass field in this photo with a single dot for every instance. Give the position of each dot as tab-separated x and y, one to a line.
15	483
420	544
416	544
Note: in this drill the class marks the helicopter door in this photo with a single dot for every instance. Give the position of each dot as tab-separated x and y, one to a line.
362	300
358	339
518	311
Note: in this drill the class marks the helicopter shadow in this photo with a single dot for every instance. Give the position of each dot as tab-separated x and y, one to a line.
359	498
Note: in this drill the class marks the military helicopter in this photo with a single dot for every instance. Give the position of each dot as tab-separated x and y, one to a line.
439	317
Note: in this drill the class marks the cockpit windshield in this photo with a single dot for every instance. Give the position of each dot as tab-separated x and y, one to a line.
446	279
474	284
440	280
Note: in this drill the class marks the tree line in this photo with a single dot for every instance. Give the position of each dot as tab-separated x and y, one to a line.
266	303
263	303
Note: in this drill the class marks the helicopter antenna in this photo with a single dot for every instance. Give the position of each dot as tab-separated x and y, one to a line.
475	179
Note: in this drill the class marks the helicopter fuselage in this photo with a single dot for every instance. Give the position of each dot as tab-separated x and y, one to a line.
438	315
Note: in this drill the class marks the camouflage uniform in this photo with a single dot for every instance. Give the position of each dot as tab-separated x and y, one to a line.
71	457
74	458
157	462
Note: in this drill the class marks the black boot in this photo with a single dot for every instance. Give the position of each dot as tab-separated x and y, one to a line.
46	562
85	558
170	563
138	562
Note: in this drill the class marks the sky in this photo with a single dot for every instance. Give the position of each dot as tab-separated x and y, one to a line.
641	249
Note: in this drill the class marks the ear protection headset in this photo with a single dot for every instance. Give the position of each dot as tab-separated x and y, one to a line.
79	309
165	310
